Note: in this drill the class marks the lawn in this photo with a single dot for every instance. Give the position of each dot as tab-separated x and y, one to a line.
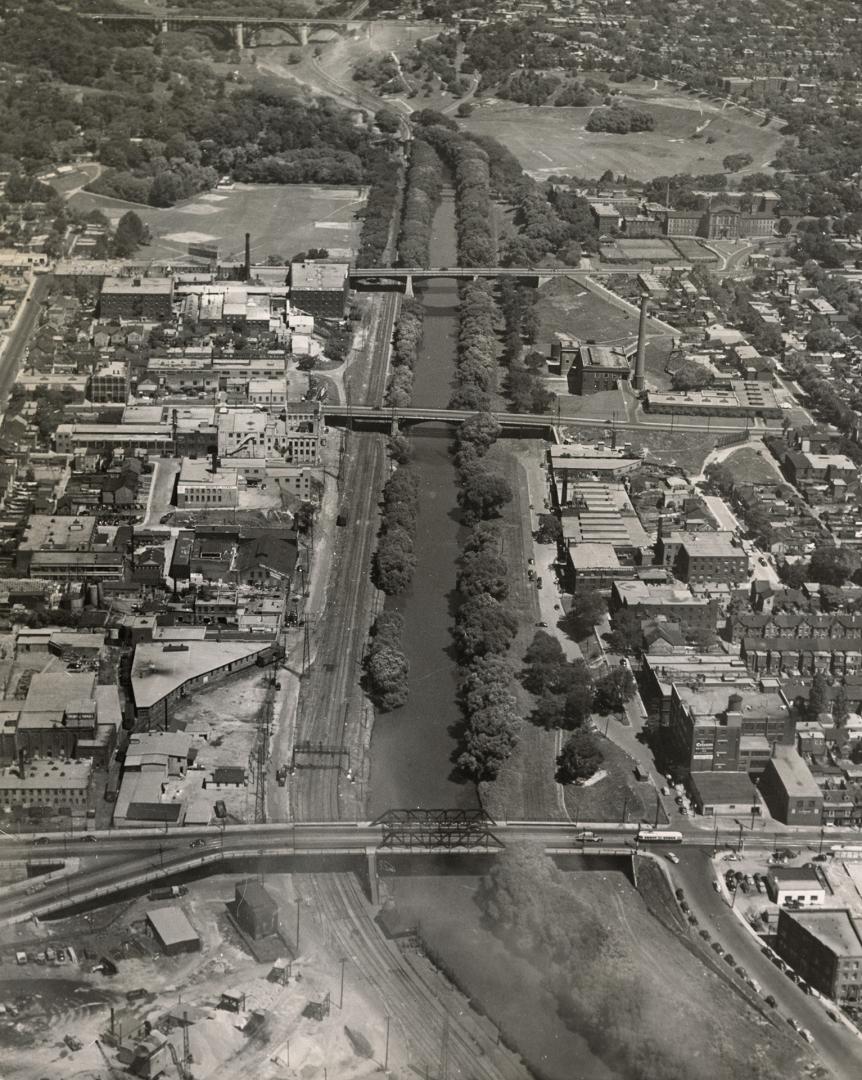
282	220
749	467
618	796
548	140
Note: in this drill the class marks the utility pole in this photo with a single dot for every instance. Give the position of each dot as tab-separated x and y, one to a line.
386	1051
341	991
444	1049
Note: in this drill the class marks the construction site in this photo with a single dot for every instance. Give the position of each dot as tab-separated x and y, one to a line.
227	975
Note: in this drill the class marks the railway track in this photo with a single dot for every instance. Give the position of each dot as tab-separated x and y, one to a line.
419	1013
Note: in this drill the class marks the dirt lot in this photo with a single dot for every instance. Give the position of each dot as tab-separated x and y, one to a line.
229	714
52	1002
548	140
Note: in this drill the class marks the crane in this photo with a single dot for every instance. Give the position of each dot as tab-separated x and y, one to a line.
112	1069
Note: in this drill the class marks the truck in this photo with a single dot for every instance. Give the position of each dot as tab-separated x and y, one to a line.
168	892
281	776
343	516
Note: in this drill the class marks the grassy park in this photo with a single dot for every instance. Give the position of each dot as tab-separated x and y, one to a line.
282	220
548	140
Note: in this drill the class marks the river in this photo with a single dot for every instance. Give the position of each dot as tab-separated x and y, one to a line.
412	748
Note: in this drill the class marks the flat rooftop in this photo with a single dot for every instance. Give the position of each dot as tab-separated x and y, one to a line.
835	927
149	286
725	787
795	774
594	557
601	358
714	700
639	592
713	545
171	925
318	275
54	531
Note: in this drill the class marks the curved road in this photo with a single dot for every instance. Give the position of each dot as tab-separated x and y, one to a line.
835	1043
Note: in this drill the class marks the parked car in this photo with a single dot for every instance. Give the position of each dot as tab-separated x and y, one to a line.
717	948
200	842
770	1001
806	1035
673	858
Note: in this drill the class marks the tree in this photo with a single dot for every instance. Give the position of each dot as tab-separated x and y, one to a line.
543	659
586	612
613	690
388	121
578	703
626	635
550	529
830	565
483	572
785	226
303	519
480	431
482	494
691	376
840	707
580	759
818	698
735	162
130	234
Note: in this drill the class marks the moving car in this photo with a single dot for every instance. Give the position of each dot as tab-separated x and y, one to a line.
671	856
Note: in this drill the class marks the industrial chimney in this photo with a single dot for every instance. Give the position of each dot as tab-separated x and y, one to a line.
214	460
639	377
248	256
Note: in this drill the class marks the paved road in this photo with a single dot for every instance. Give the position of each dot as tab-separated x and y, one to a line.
836	1044
16	340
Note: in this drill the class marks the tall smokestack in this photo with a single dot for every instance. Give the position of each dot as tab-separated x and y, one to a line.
639	377
248	256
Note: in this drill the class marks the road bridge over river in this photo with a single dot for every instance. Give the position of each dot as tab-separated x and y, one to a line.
300	29
103	864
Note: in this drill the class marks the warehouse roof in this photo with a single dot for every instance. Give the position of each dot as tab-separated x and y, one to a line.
171	926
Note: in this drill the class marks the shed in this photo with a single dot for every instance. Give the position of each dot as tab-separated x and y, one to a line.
715	793
255	910
173	931
796	886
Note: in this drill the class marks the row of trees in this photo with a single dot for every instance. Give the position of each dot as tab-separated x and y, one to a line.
476	363
470	167
386	667
524	383
485	625
424	182
394	560
384	175
407	339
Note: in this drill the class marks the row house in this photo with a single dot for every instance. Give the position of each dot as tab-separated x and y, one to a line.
802	656
794	625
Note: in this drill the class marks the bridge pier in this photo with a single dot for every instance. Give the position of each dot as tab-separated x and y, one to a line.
302	34
373	880
408	286
238	36
163	26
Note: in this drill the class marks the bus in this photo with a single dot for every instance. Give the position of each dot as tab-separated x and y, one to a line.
847	852
659	836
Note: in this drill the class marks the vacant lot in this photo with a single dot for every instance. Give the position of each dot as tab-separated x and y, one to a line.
282	220
549	140
749	467
616	797
669	990
564	307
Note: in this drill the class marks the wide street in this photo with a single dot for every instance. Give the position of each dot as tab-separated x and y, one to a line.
18	336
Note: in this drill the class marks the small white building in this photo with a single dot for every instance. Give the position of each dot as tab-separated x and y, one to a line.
796	886
200	486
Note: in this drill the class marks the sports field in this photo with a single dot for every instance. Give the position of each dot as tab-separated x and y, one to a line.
282	220
549	140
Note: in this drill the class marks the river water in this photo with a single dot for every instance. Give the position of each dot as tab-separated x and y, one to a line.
412	748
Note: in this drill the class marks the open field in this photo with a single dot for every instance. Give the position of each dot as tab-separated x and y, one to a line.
282	219
749	467
616	797
565	308
548	140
